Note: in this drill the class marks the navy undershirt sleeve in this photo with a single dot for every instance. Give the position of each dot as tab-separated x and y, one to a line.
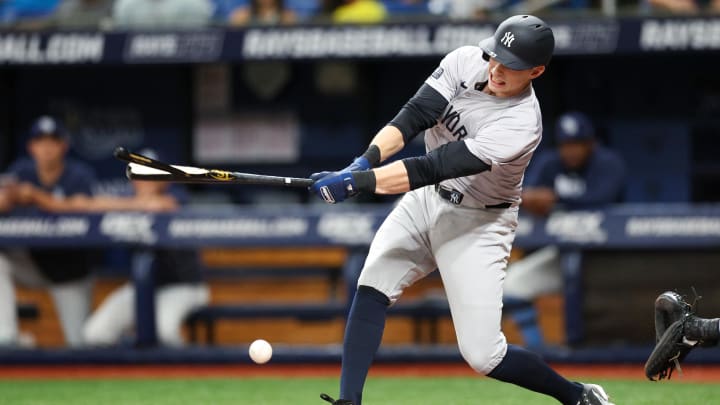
420	112
448	161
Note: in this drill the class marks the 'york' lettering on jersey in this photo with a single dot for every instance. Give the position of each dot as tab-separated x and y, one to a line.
451	119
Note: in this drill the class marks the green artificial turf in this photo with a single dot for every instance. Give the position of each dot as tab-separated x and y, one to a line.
300	391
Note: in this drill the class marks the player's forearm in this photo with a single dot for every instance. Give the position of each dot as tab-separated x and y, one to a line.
391	179
6	203
389	141
109	203
159	203
448	161
75	203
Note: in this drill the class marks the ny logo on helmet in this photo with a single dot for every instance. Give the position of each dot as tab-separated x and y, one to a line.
508	39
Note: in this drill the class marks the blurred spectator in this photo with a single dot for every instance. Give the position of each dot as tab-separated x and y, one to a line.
178	280
686	6
262	12
26	11
83	14
360	11
580	174
6	198
65	272
464	9
148	14
353	11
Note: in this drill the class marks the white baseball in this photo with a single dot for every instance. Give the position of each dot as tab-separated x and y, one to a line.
260	351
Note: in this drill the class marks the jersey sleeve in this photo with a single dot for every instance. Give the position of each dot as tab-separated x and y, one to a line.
503	142
447	77
22	170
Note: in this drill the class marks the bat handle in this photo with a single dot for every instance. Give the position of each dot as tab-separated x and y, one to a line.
121	153
298	182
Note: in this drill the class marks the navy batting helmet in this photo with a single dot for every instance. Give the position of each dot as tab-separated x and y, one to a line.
521	42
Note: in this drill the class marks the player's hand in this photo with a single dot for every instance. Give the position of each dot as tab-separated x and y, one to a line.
539	201
359	164
6	202
335	187
319	175
25	194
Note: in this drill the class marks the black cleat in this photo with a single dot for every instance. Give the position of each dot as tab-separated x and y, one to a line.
328	398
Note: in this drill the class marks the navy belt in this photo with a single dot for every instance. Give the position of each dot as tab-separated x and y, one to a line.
456	197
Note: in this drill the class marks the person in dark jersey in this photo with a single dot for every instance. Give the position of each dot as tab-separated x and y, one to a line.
66	272
579	174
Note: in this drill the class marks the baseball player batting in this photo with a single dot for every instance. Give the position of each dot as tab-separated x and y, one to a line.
481	122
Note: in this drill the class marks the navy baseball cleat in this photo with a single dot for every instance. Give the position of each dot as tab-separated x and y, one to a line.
593	394
334	402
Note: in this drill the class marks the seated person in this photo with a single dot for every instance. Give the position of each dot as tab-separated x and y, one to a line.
83	14
6	197
262	12
149	14
27	13
64	272
352	11
580	174
179	291
685	6
177	277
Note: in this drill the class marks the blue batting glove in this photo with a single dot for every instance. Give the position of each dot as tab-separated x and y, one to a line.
319	175
359	164
335	187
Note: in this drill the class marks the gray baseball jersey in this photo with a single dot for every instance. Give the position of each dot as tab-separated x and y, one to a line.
466	241
502	132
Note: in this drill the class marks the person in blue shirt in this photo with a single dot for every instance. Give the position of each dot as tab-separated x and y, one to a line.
65	272
180	288
177	275
580	174
12	11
